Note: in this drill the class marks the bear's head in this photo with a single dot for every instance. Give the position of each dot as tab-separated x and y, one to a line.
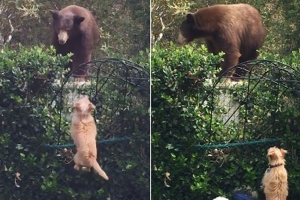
188	29
65	24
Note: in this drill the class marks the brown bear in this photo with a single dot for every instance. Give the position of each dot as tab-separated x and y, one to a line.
75	30
235	29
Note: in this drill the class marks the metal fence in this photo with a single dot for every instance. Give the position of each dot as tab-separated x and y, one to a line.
268	89
120	91
256	113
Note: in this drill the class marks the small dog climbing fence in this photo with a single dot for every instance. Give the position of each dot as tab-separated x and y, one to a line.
120	91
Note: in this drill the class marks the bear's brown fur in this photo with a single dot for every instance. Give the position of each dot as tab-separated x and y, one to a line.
235	29
75	30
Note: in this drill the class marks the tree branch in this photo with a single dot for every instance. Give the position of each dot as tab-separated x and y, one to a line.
9	37
5	15
160	35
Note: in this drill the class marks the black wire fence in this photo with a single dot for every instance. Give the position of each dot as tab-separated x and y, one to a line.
38	153
260	111
120	91
266	90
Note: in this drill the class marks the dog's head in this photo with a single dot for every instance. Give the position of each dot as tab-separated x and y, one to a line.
276	154
83	106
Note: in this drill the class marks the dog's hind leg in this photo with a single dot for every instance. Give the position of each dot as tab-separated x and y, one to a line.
77	165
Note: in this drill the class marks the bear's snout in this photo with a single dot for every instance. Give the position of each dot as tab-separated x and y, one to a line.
61	41
62	37
181	39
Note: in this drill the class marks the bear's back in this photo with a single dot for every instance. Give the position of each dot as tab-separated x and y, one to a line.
77	10
231	13
241	20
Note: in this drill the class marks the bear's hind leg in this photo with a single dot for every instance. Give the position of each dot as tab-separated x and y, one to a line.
230	60
242	70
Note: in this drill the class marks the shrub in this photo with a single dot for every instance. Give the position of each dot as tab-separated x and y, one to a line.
35	144
27	78
193	150
179	120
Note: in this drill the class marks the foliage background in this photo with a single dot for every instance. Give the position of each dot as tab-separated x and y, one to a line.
124	25
36	148
28	169
193	150
181	117
277	15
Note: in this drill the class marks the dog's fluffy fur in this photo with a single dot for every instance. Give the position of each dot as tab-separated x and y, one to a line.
275	181
83	132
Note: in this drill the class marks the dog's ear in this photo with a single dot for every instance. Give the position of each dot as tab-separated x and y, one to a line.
271	153
283	152
91	107
77	106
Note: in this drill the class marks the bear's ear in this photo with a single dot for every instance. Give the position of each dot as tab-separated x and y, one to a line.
78	19
54	13
190	18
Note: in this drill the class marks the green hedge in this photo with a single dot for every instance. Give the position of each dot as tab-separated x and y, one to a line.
190	158
27	121
34	115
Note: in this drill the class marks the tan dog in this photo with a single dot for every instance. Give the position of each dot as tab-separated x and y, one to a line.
275	181
83	132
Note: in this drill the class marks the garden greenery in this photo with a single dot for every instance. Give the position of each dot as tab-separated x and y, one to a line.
195	154
35	144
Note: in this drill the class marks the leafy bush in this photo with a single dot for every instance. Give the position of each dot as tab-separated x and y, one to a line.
179	120
290	28
27	78
35	144
120	93
193	150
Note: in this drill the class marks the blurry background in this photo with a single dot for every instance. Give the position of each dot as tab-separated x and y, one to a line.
35	144
124	24
192	150
280	18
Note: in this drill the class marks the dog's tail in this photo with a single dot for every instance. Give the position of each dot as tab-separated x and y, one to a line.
99	170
